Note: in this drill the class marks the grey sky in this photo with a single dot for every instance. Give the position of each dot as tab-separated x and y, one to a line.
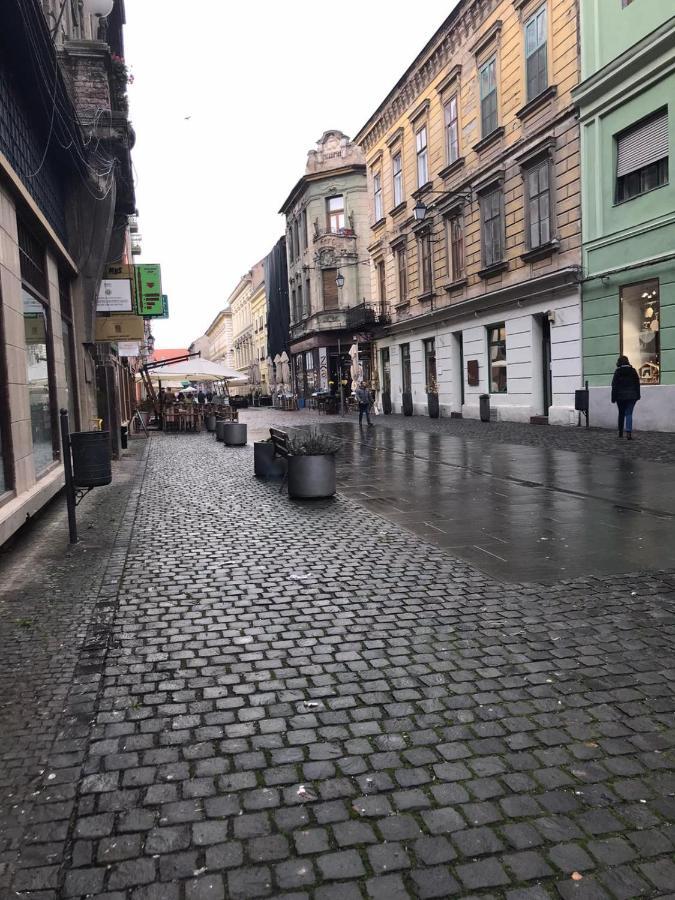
260	82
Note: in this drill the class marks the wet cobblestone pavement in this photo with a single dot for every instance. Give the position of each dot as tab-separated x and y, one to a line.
308	701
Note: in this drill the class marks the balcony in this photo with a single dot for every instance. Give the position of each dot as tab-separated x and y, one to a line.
368	315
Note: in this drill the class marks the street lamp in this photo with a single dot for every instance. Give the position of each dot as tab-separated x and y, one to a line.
340	280
419	211
100	8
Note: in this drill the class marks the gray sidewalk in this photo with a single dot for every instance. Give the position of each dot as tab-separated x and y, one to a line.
307	700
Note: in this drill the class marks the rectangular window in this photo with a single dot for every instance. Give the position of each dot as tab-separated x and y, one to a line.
538	205
424	261
488	97
497	357
535	54
301	308
330	288
430	366
304	229
402	271
289	244
406	377
294	309
377	190
493	230
422	156
296	237
398	179
38	379
642	157
335	213
451	131
454	236
640	333
308	298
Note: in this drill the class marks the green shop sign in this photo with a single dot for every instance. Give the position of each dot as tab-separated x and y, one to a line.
149	291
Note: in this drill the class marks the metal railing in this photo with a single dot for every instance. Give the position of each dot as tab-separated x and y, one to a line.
368	314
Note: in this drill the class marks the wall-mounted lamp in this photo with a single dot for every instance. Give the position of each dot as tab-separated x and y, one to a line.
340	280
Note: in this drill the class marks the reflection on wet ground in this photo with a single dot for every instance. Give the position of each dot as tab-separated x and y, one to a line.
518	513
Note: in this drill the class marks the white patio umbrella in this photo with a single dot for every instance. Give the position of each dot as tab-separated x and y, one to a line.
356	370
198	369
278	380
285	371
271	373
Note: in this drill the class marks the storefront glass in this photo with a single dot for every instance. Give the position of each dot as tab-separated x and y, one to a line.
430	365
38	378
640	336
406	376
68	361
497	351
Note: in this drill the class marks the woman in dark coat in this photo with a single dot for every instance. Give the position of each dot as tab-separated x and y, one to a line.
625	393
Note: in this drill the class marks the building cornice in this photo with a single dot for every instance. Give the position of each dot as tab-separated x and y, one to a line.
522	291
313	177
439	52
640	62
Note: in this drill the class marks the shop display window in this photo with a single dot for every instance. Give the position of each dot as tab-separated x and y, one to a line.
640	338
497	354
39	380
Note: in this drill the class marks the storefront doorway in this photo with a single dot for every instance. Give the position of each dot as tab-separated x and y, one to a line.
385	365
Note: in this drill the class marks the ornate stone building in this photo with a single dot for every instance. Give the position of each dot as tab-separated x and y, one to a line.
474	194
327	235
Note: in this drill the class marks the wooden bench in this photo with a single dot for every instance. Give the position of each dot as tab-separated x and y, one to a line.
281	448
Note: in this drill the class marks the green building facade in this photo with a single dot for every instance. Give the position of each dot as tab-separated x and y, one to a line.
626	102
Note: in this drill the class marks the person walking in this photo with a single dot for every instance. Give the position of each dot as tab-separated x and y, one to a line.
363	399
625	393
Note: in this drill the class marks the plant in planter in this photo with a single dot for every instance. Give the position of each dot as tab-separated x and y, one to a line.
311	464
432	398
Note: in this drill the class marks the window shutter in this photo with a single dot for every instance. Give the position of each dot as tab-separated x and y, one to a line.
642	146
330	288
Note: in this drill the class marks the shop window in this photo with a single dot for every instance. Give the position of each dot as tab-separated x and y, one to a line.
451	130
330	288
39	380
424	262
454	235
402	272
497	358
642	157
493	228
537	181
68	336
398	179
488	97
430	366
406	374
335	213
422	156
535	54
377	190
640	335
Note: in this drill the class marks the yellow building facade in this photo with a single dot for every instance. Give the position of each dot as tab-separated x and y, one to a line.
474	186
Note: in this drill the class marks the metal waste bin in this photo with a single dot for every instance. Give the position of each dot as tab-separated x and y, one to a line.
124	435
92	458
484	401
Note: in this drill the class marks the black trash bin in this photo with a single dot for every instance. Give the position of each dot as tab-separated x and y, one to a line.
92	458
581	400
124	437
484	401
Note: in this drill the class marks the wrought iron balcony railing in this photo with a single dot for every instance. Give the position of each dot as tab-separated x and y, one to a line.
368	315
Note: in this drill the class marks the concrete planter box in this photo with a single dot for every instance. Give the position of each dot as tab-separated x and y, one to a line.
311	477
234	434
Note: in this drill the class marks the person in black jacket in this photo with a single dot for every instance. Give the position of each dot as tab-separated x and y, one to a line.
625	393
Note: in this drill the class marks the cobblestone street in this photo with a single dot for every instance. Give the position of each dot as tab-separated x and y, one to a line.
243	697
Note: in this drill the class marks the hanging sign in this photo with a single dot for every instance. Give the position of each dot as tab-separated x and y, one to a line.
115	295
112	329
127	348
149	290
